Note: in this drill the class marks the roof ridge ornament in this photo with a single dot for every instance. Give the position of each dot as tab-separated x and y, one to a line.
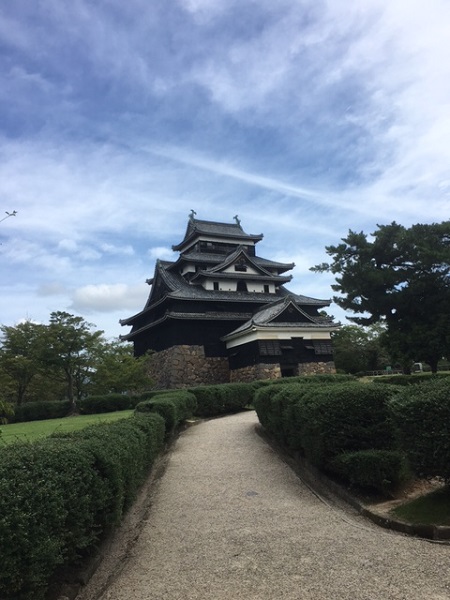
237	219
192	214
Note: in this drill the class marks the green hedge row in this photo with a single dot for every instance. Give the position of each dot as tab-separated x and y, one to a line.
174	407
421	415
59	495
214	400
39	411
339	427
105	403
406	380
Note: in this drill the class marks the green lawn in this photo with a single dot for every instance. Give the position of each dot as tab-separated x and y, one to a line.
432	509
33	430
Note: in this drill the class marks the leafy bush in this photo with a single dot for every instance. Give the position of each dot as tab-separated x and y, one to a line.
39	411
344	418
320	379
422	418
106	403
174	407
274	407
59	495
406	380
380	470
214	400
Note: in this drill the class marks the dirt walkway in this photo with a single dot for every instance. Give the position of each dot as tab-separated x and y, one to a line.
230	520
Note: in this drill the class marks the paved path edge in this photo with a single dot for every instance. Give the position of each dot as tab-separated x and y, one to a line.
323	486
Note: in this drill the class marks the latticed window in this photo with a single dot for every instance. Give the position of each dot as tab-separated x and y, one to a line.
269	348
323	347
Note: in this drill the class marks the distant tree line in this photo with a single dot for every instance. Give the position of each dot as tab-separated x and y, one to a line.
65	359
398	278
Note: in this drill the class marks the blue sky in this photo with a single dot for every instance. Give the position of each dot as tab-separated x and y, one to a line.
304	117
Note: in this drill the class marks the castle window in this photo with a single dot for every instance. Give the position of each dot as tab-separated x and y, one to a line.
321	347
241	286
269	348
266	288
216	285
240	267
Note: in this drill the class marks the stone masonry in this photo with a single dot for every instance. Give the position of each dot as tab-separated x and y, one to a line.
187	366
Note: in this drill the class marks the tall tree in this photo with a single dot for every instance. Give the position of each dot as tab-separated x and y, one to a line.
400	277
20	355
118	371
72	350
357	349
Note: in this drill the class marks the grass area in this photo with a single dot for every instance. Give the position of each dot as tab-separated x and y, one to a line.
432	509
34	430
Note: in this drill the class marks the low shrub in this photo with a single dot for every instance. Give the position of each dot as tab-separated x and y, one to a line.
174	407
58	496
105	403
376	470
214	400
320	379
274	407
343	418
39	411
422	419
406	380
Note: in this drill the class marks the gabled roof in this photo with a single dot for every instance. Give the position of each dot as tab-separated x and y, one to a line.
196	228
271	317
240	255
215	259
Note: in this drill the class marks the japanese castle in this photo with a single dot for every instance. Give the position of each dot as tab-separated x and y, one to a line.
219	313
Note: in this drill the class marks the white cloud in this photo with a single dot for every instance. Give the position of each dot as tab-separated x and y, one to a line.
161	252
109	298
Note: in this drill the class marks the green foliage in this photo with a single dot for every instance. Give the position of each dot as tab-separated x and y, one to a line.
406	380
214	400
309	379
20	353
39	411
342	428
6	412
359	349
380	470
344	418
71	350
106	403
118	371
400	278
59	495
175	407
422	416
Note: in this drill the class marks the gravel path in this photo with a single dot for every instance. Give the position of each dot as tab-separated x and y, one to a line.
230	520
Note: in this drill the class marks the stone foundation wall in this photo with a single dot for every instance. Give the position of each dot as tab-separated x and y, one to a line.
273	371
186	366
255	372
316	368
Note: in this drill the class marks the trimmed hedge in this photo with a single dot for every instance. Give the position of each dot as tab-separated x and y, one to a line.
321	378
422	418
344	418
59	495
342	428
379	470
214	400
106	403
406	380
39	411
174	407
